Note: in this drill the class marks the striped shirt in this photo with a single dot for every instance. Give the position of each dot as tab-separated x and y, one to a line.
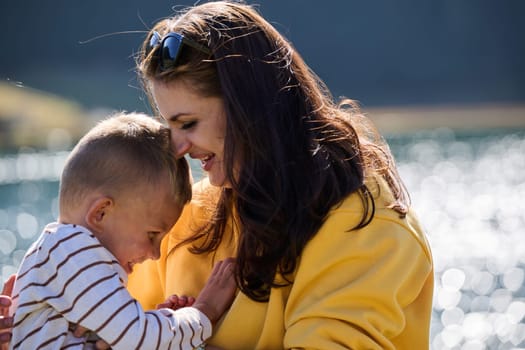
68	278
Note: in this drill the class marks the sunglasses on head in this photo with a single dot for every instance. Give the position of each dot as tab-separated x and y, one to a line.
168	48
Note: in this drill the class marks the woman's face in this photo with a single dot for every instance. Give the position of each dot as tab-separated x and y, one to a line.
197	124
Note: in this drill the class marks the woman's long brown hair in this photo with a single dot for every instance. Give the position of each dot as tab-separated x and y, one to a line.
296	153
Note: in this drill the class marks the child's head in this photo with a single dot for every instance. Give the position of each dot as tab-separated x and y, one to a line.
123	182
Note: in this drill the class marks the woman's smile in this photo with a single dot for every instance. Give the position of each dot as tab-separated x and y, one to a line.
207	162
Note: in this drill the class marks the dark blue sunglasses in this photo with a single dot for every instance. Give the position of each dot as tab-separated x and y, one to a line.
168	48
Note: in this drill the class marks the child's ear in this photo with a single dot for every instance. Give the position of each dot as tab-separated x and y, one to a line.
97	212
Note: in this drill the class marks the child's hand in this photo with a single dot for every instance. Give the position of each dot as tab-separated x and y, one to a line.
175	302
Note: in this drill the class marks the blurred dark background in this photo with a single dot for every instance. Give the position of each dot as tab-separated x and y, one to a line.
380	52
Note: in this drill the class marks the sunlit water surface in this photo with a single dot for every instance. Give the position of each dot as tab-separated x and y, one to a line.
468	190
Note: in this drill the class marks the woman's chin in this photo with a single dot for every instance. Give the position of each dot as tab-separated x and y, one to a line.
218	181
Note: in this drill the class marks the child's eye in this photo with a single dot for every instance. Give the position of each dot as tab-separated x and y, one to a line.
152	235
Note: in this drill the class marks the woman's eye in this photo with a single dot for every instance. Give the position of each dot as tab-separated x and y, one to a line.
188	125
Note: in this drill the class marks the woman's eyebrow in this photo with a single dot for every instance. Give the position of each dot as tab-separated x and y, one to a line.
175	117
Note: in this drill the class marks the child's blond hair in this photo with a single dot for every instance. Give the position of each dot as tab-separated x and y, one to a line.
123	153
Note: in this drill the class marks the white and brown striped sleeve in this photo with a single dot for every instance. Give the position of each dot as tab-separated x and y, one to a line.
68	277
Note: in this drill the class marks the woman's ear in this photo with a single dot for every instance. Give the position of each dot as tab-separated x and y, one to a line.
97	213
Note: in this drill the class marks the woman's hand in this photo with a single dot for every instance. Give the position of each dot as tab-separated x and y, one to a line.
217	295
6	321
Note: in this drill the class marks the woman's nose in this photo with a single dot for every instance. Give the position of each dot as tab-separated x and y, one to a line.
181	145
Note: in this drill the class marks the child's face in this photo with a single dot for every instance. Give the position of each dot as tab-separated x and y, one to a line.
134	226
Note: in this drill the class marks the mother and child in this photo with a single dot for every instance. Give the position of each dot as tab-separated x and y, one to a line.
302	201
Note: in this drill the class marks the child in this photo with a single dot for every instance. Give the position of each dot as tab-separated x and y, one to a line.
121	191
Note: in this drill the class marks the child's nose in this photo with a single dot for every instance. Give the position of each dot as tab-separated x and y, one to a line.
155	252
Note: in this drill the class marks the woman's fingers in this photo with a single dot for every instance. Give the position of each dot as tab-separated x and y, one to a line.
8	285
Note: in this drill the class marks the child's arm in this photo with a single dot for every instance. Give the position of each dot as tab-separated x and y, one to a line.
83	285
215	298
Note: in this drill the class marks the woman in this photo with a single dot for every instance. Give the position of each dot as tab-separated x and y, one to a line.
301	190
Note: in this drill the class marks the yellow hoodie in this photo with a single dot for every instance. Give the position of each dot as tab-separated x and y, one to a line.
364	289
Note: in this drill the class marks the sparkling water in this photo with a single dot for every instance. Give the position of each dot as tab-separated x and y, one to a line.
468	190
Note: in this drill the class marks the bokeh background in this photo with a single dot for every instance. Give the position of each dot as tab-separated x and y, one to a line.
443	80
